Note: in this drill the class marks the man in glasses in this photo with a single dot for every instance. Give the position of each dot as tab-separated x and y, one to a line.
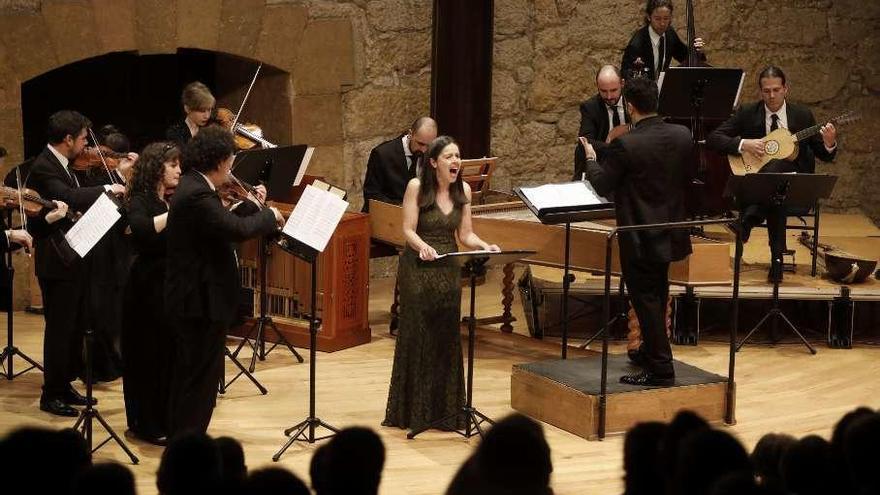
393	163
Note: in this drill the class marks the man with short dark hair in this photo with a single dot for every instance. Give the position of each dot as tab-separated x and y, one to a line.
743	133
645	171
601	113
202	280
393	163
62	274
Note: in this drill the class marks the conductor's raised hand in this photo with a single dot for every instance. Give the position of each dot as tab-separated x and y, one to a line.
427	253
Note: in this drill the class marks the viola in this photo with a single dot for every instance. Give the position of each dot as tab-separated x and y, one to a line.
90	157
247	136
30	200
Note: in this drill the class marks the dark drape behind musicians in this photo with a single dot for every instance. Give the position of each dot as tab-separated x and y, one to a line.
655	44
108	263
198	104
742	133
202	279
393	163
601	113
645	171
60	271
147	343
427	379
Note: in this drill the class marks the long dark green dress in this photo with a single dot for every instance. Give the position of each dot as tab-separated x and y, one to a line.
427	381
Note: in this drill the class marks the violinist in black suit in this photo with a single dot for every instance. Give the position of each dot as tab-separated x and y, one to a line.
62	274
655	44
743	133
601	113
645	169
202	280
198	105
13	238
393	163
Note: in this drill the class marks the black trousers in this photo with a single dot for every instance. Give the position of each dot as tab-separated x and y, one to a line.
648	286
65	311
197	370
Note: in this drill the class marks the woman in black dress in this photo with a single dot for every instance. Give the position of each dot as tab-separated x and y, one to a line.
427	381
146	342
198	106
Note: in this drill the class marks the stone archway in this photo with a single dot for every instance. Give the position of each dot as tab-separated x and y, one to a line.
37	36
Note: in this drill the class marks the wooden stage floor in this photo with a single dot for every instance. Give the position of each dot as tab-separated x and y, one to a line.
779	389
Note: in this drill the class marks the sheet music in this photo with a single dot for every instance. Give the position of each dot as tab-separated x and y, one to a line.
307	157
96	221
568	194
315	217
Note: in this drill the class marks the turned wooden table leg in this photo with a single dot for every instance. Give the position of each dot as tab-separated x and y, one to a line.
507	298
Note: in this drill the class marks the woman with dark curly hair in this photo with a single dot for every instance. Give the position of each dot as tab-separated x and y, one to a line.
146	339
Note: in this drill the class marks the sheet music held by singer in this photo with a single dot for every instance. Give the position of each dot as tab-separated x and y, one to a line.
96	221
315	217
561	195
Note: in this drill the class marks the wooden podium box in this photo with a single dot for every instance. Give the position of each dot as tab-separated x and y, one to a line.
343	287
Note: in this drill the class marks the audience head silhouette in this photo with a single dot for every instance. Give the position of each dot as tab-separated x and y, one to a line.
352	463
105	479
641	455
65	451
233	470
767	458
190	464
274	481
706	456
806	467
860	445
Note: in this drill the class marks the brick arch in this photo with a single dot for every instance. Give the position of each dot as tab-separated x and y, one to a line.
318	54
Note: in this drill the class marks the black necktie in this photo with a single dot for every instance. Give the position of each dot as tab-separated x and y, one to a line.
661	54
615	116
413	160
774	122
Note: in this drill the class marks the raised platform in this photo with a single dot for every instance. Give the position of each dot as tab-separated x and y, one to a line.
565	394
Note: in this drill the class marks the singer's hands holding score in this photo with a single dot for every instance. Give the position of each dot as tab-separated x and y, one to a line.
427	253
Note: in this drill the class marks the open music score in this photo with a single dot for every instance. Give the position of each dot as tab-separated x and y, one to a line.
315	217
95	222
556	200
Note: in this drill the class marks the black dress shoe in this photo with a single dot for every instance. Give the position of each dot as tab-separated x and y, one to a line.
647	379
77	399
58	407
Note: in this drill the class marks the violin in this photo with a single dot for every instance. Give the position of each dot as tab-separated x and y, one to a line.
91	158
29	200
235	190
247	136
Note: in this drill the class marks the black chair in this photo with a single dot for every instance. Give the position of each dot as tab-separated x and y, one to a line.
808	222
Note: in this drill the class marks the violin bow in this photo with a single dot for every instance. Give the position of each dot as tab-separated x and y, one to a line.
101	154
246	95
21	212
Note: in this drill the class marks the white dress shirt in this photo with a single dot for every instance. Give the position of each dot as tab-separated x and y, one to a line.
655	45
409	155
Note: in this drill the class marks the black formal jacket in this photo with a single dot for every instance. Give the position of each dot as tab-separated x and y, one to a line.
640	47
387	173
53	257
595	127
178	132
646	170
749	123
202	278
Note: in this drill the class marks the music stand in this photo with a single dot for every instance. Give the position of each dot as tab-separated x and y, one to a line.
778	191
279	169
474	264
696	94
572	213
305	429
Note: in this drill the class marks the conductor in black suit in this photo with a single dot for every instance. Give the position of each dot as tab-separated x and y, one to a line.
743	133
655	44
645	169
61	273
601	113
202	279
393	163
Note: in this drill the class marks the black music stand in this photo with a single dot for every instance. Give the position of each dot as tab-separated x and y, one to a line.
696	94
567	215
10	351
474	264
304	431
278	169
778	191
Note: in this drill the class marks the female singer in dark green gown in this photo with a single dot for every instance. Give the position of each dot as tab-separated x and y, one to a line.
427	381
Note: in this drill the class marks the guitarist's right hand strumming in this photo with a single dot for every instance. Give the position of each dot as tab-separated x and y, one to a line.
754	147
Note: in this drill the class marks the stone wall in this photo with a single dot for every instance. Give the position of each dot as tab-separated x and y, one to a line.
547	53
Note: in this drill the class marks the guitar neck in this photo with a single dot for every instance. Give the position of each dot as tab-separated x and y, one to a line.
813	130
